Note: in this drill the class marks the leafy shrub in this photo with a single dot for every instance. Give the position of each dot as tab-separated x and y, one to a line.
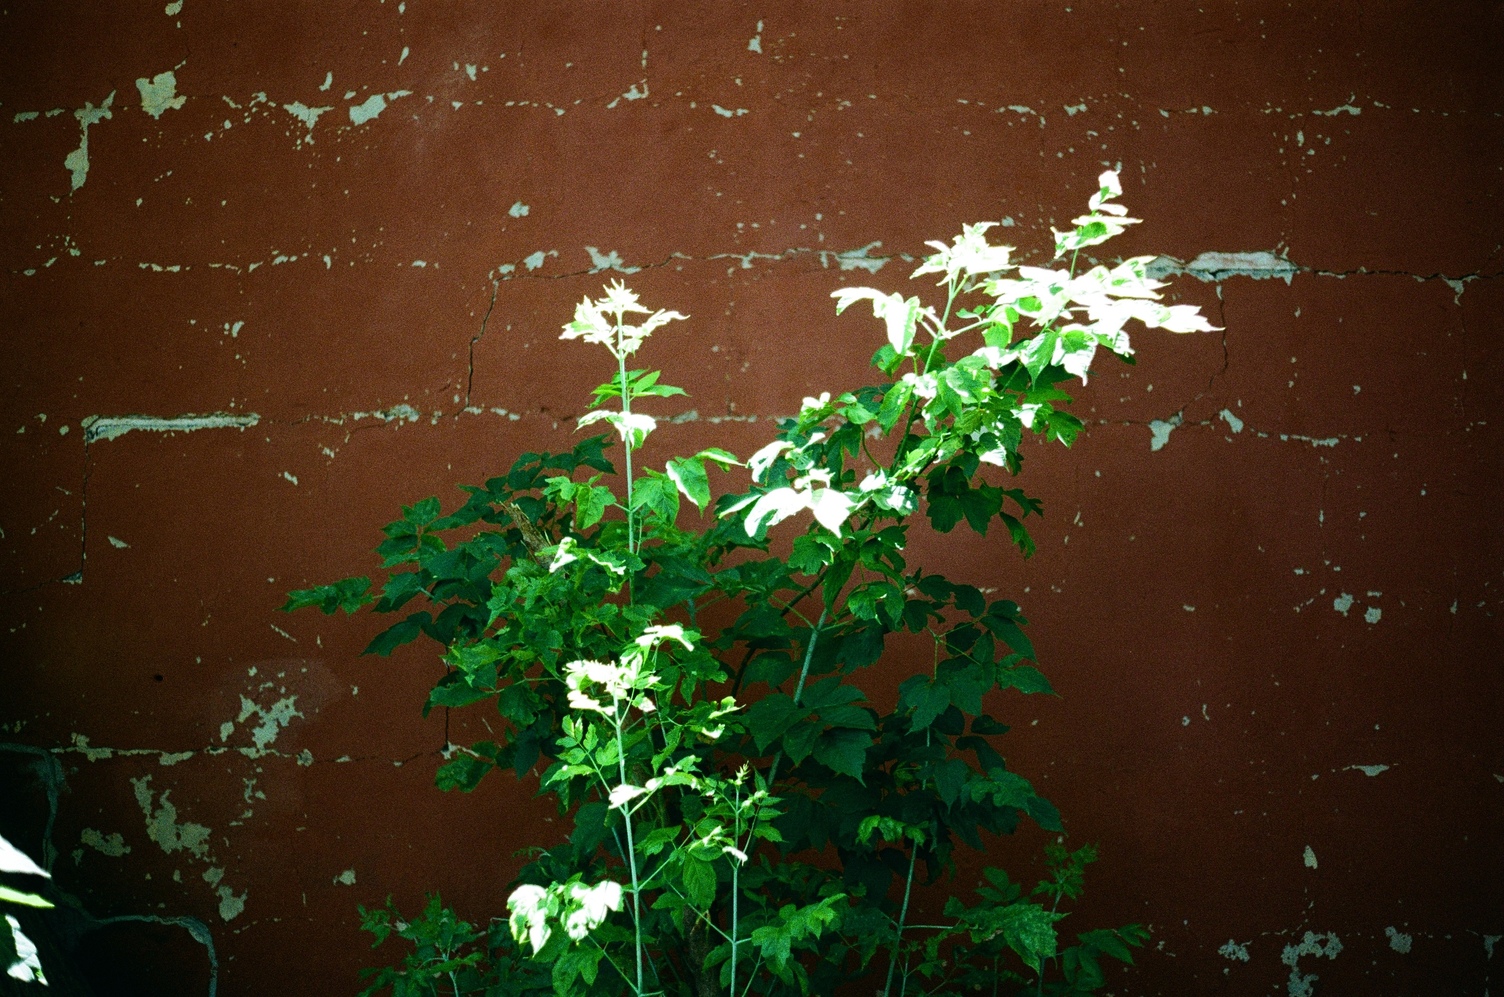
745	821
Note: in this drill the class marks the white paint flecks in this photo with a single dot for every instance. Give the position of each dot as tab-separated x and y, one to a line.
117	543
112	845
535	261
162	822
1160	430
755	45
1234	951
159	94
273	718
109	427
1233	422
1313	944
1489	941
518	210
77	161
1368	770
608	261
346	878
1347	108
1373	614
856	259
173	9
1212	268
1343	603
230	906
308	115
1310	857
1398	940
373	105
728	112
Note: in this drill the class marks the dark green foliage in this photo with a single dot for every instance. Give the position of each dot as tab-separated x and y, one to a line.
744	816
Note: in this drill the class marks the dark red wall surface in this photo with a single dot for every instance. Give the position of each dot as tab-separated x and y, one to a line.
245	317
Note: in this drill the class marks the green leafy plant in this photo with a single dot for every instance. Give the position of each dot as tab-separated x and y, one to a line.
745	820
18	954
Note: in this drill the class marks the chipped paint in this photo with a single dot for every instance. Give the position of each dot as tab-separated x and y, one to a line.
117	543
230	906
1309	858
1398	940
1343	603
518	210
110	427
1233	422
346	878
1368	770
162	822
112	845
308	115
1160	430
754	44
373	105
1213	268
727	112
1312	944
1235	951
856	259
77	161
1372	614
608	261
159	94
274	718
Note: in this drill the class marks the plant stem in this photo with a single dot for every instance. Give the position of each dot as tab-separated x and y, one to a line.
626	814
735	884
903	912
626	438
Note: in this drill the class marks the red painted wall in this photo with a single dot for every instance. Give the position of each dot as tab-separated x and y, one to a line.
1269	579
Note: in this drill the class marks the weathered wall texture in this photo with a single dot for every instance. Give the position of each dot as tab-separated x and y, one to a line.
271	269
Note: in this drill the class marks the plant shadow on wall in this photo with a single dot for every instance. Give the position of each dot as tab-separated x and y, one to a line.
745	821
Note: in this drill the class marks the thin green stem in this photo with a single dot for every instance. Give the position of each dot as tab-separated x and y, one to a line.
903	912
621	762
626	410
735	887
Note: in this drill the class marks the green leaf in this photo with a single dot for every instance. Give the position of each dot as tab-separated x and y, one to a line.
699	881
1024	678
421	513
1029	930
18	897
950	778
768	718
462	772
927	699
348	594
843	751
688	473
397	634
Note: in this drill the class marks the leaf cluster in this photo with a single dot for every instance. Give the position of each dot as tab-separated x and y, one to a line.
745	818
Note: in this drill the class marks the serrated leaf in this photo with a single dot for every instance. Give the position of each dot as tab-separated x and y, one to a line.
688	473
699	881
843	751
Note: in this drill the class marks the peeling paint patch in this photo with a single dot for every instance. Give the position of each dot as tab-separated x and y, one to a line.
117	543
308	115
109	427
1398	940
346	878
77	161
1347	108
114	845
159	94
1343	603
535	261
162	822
1232	950
173	9
1313	944
636	91
274	718
1160	430
1233	422
1372	614
1368	770
92	754
1213	268
518	210
856	259
727	112
373	105
608	261
1309	857
230	906
25	116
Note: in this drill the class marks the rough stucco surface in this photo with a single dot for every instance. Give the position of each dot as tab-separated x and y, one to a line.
267	274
